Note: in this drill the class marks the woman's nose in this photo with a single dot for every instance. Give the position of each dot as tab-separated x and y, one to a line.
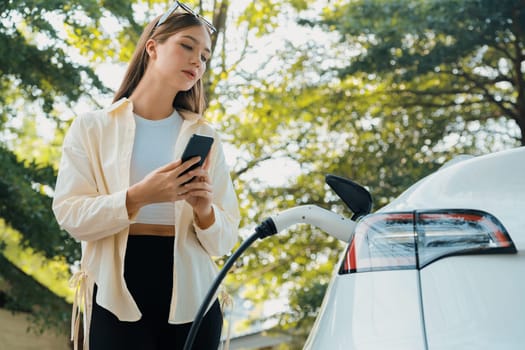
196	60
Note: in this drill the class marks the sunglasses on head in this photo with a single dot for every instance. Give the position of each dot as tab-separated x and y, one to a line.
179	5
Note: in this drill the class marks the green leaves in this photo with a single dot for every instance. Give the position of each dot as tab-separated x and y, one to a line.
446	55
27	208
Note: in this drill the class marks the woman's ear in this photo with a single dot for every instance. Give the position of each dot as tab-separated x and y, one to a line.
151	48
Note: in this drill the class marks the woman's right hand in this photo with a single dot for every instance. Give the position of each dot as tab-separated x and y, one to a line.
161	185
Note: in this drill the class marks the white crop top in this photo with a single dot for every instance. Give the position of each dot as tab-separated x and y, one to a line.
153	148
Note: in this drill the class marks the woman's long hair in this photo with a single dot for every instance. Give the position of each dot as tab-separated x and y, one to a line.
193	99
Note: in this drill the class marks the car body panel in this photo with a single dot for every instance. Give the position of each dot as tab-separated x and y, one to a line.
475	302
380	310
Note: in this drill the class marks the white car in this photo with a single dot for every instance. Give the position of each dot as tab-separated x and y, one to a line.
442	267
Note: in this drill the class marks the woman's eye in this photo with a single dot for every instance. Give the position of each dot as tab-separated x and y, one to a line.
190	48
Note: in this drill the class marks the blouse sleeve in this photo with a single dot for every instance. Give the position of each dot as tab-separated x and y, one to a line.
79	206
221	236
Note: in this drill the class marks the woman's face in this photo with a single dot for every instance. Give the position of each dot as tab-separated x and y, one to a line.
181	60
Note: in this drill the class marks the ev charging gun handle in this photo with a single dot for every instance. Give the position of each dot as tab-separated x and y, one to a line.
336	225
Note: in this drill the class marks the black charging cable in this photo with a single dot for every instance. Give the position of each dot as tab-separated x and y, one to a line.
265	229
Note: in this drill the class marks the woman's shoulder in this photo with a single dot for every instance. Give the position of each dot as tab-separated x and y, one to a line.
199	123
103	116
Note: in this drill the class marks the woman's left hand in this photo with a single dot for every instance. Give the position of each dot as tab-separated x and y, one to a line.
199	194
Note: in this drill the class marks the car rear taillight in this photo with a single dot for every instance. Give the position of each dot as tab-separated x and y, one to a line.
412	240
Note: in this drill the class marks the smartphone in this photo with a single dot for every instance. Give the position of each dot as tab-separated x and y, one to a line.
198	146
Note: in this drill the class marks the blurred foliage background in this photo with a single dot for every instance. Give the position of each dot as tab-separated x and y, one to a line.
380	92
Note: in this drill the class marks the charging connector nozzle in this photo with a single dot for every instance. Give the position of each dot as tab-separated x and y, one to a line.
266	228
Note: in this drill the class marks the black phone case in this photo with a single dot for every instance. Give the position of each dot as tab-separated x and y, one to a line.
198	146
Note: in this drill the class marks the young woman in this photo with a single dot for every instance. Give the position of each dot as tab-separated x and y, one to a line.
147	236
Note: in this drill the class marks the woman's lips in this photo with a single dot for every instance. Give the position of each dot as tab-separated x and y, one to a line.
189	74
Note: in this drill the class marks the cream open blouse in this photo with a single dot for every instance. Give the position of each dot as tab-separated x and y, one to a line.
90	203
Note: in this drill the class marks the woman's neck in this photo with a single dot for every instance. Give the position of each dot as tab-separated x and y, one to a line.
151	100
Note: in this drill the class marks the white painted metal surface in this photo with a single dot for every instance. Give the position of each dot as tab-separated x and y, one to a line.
372	310
475	302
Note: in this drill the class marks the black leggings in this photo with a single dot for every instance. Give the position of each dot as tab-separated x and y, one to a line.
148	273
